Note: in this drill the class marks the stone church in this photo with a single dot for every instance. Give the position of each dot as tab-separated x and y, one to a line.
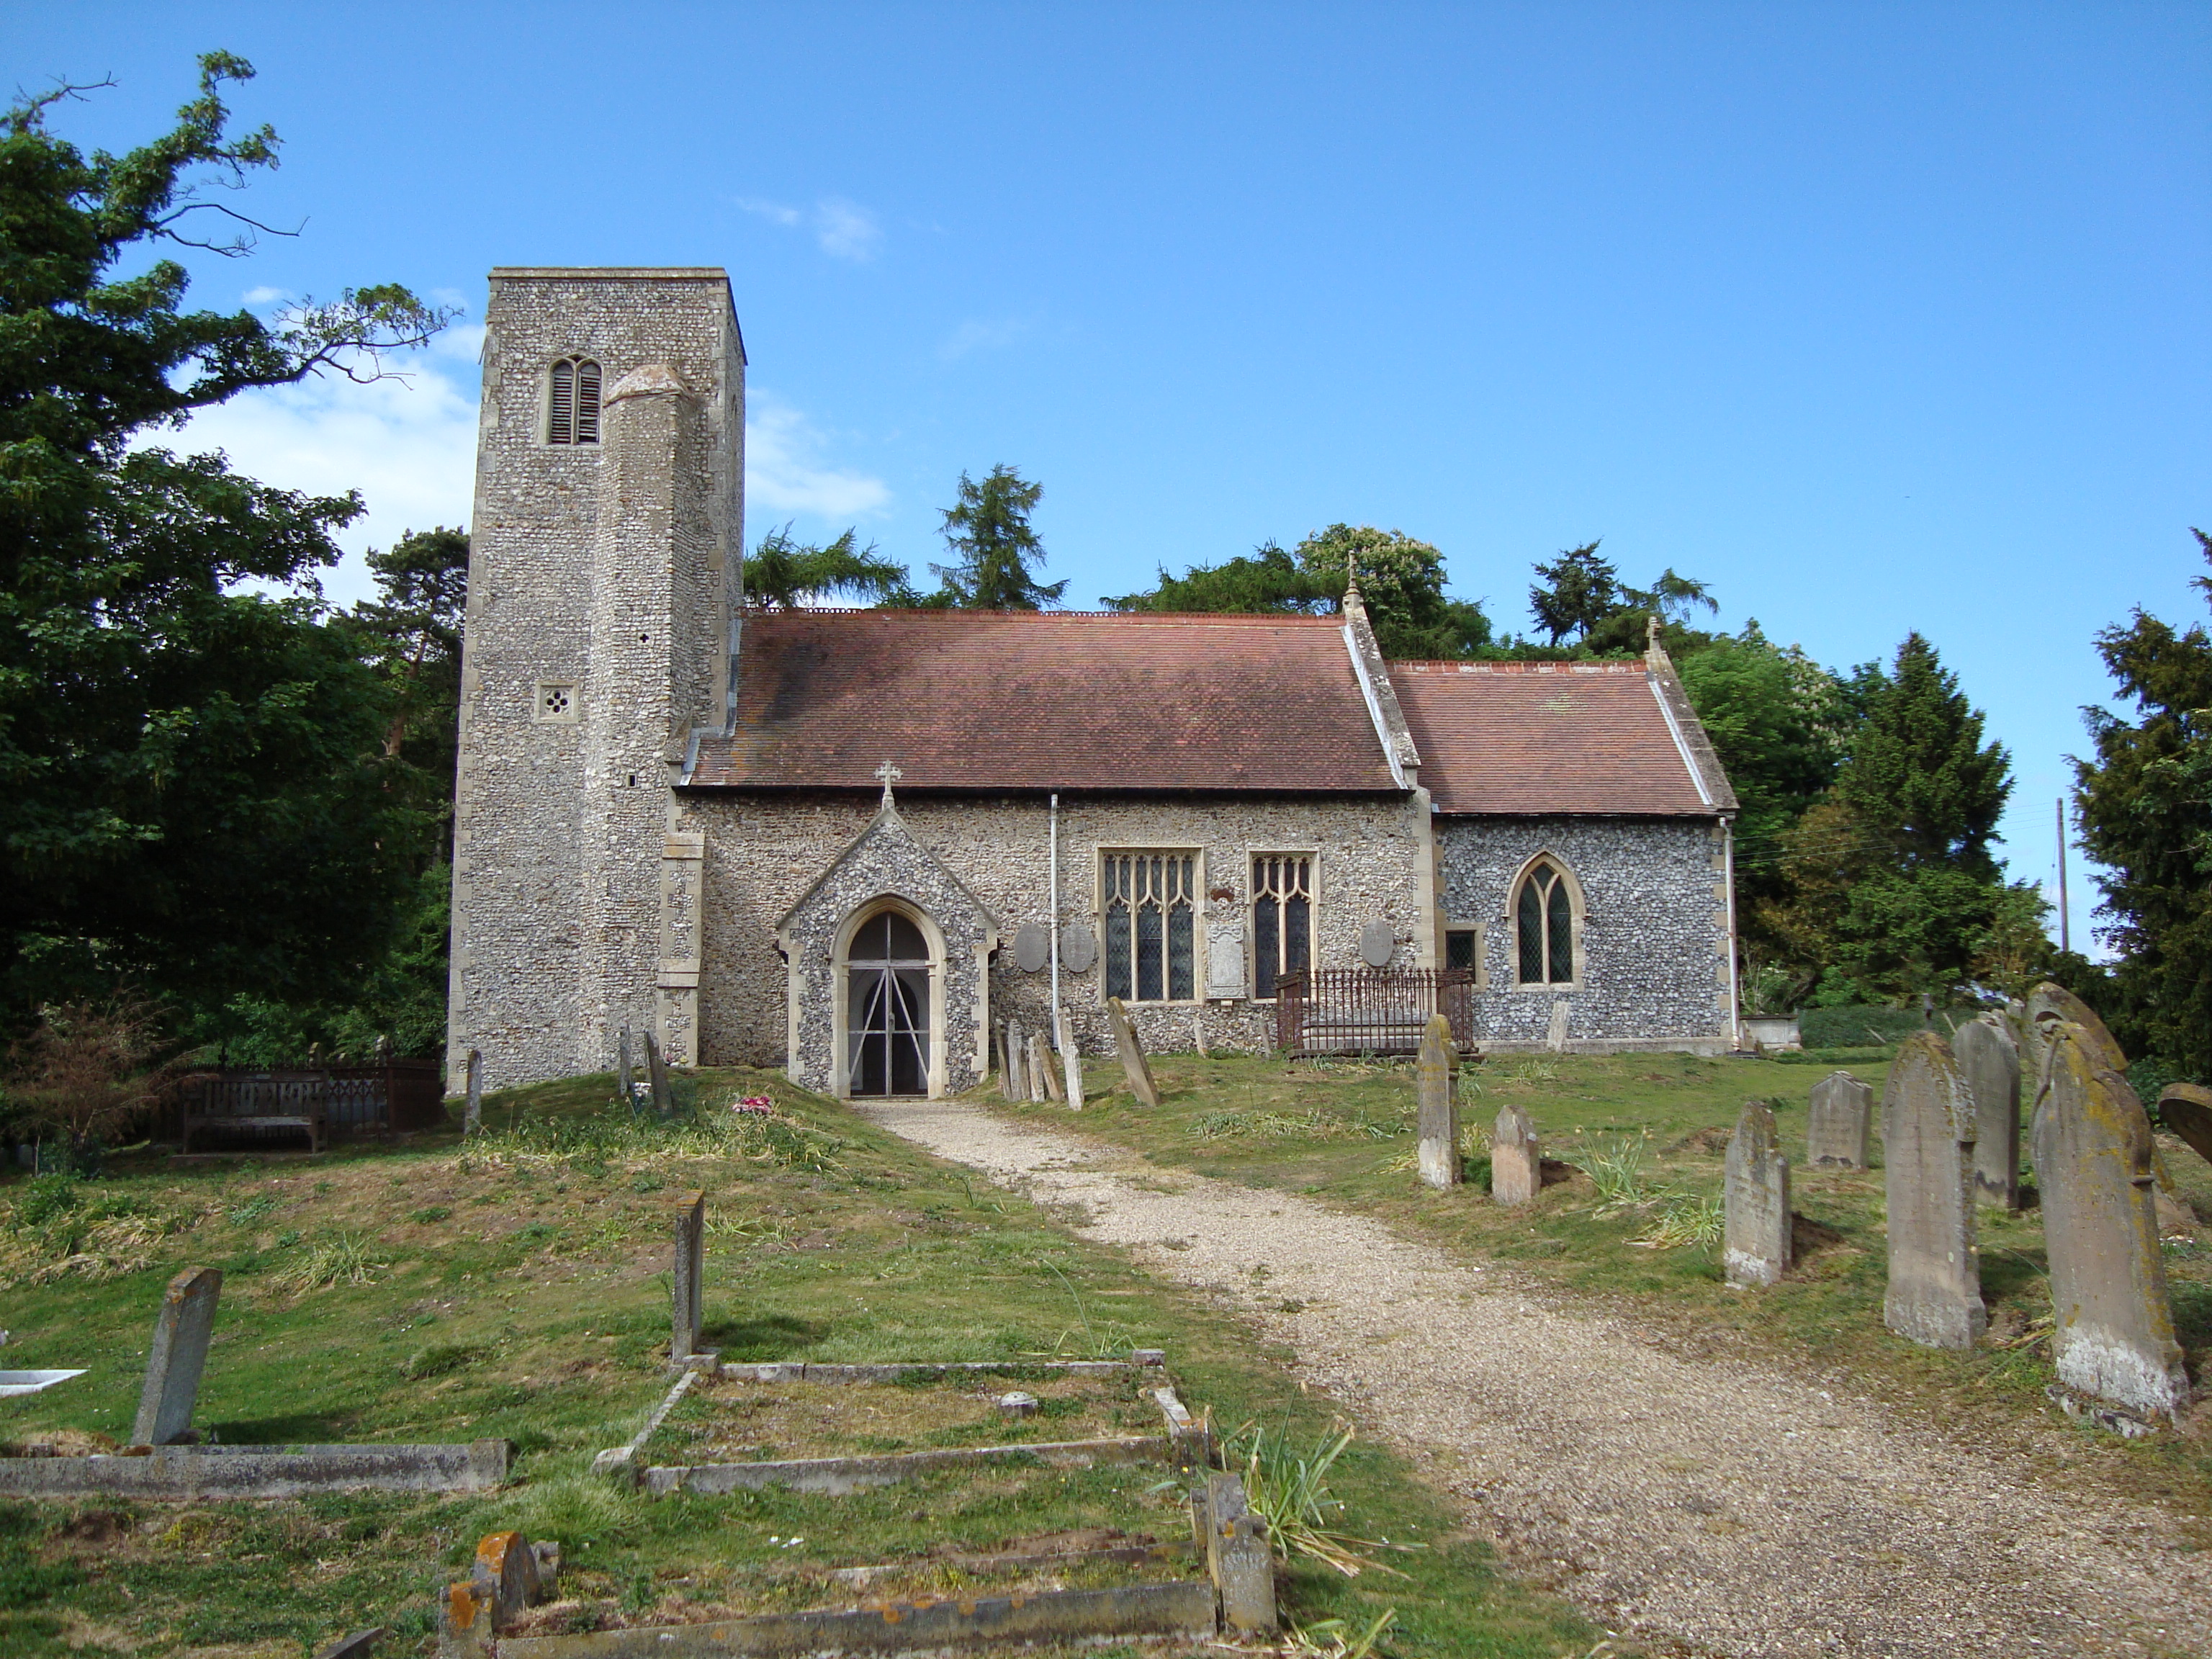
852	844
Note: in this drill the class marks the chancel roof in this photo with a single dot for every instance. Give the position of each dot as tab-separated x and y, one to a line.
989	700
1536	738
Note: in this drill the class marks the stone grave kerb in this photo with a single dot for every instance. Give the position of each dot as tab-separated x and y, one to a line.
182	1332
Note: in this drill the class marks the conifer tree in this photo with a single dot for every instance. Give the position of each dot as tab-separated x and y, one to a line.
988	528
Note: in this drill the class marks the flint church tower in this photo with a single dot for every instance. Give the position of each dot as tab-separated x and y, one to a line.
603	584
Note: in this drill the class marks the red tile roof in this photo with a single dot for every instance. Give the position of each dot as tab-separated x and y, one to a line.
1014	700
1529	737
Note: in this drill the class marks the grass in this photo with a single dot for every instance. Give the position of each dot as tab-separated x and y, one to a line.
516	1287
1629	1216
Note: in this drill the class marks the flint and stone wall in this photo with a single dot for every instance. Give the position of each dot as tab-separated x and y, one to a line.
763	852
1652	951
620	594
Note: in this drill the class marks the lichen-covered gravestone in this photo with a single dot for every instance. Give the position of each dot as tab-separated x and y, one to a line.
2115	1336
2050	1005
1439	1104
1755	1248
1516	1164
1934	1295
1133	1064
1991	1065
2186	1109
1841	1128
182	1332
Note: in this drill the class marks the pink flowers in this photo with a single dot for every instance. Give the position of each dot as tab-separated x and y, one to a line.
759	1105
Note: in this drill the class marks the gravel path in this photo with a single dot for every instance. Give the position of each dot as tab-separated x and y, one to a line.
1704	1505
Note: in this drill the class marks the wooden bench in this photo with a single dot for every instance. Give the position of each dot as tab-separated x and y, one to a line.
261	1105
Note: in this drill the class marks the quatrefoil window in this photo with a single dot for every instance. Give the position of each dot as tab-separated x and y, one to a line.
556	702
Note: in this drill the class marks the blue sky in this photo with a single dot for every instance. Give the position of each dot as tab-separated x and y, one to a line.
1874	317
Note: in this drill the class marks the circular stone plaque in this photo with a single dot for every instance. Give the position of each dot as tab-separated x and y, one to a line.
1378	944
1032	946
1077	949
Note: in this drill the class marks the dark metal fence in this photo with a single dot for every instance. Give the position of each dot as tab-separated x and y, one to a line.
373	1099
1371	1010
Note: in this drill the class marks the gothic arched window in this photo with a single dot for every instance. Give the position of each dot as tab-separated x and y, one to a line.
1544	919
572	414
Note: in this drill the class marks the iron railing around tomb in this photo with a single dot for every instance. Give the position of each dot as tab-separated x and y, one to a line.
1371	1010
377	1098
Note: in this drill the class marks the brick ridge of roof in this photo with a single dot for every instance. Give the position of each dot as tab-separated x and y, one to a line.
1620	665
755	613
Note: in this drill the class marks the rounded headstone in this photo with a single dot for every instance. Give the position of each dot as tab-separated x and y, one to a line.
1032	946
1077	949
1378	944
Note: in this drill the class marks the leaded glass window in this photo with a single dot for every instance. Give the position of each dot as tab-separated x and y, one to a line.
1282	918
572	414
1152	926
1544	919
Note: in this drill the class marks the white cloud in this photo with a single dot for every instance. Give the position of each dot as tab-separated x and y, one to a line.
409	446
774	212
262	296
979	335
845	230
784	472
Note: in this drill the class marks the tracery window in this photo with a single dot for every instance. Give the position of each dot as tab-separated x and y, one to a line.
1545	920
1282	918
1150	913
573	415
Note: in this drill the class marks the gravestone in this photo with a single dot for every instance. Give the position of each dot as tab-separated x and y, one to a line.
1935	1296
1378	944
1755	1244
2115	1336
2048	1006
1516	1164
1071	1055
656	1067
1840	1131
1555	1038
1017	1063
472	1117
1133	1064
1198	1033
181	1331
687	1282
1438	1157
2186	1109
1048	1068
1991	1065
1077	949
1005	1063
1032	946
623	1078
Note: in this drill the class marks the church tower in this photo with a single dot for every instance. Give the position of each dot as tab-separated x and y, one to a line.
603	570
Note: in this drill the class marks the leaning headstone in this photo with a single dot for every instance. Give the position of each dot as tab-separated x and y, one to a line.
1133	1064
2185	1108
656	1066
1070	1055
1516	1164
1005	1063
1017	1063
2115	1336
1755	1199
687	1282
472	1119
1991	1065
181	1331
1935	1296
1198	1033
1438	1157
1841	1129
2050	1004
1046	1066
623	1080
1555	1036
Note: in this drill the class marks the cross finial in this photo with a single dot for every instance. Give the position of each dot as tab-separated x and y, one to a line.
891	775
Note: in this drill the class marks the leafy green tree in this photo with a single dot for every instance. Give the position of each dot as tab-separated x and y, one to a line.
1401	583
1777	721
1574	592
2144	805
988	529
193	776
783	573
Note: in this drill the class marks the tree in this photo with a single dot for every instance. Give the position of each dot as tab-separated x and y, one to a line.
1401	583
412	632
1575	592
2144	805
784	573
193	776
988	528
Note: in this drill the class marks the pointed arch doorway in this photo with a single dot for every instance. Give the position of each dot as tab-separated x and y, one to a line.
888	967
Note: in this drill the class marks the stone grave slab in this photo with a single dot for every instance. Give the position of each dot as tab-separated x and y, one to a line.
1517	1162
182	1331
1071	1052
1990	1068
2186	1109
1935	1294
687	1278
1755	1248
1134	1067
1840	1131
1437	1106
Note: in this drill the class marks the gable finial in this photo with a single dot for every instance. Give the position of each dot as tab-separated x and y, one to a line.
1351	573
891	775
